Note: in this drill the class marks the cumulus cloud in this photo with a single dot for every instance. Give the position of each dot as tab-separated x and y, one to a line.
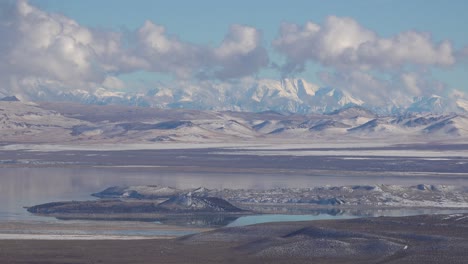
164	53
398	89
52	46
241	53
358	57
41	49
45	52
341	42
365	85
410	80
241	40
112	82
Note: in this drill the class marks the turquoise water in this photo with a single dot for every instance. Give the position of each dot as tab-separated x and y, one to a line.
269	218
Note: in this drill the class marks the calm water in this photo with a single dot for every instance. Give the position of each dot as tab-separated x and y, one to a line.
21	187
257	219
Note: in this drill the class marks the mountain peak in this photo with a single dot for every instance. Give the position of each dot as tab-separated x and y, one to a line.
429	104
288	95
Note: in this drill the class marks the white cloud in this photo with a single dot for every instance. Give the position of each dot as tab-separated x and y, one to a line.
360	58
410	80
398	89
51	46
112	82
154	37
365	85
41	49
241	40
241	53
164	53
47	51
343	43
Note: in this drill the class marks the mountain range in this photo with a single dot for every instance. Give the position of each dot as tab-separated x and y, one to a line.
284	96
71	122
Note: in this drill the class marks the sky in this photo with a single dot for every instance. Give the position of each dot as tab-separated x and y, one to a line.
375	49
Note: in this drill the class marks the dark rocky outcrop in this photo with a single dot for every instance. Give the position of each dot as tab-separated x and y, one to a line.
9	99
96	207
189	202
136	209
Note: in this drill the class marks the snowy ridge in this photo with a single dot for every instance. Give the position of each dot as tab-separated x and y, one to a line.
64	122
462	104
26	122
256	95
286	95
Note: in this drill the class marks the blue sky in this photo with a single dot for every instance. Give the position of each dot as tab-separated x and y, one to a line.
444	19
207	24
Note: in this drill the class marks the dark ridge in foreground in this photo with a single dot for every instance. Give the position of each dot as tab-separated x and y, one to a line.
139	210
403	240
96	207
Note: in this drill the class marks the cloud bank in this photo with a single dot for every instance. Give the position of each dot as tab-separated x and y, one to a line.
375	67
51	50
42	51
343	43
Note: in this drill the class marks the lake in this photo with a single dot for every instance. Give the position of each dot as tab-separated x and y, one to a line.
24	186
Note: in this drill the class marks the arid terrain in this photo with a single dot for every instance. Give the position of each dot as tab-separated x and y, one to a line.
266	163
329	132
417	239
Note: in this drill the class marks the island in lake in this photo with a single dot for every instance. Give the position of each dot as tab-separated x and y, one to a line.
217	207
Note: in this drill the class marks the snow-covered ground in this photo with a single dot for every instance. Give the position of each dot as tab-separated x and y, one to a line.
115	127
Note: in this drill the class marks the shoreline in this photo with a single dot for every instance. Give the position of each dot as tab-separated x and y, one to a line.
91	230
365	240
135	230
77	237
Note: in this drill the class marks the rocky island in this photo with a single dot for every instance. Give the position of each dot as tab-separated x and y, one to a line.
167	204
154	208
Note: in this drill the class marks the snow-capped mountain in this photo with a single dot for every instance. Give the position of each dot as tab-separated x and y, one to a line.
431	104
437	104
286	96
254	95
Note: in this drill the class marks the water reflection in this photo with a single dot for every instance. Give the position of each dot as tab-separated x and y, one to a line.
324	214
30	186
200	220
220	220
